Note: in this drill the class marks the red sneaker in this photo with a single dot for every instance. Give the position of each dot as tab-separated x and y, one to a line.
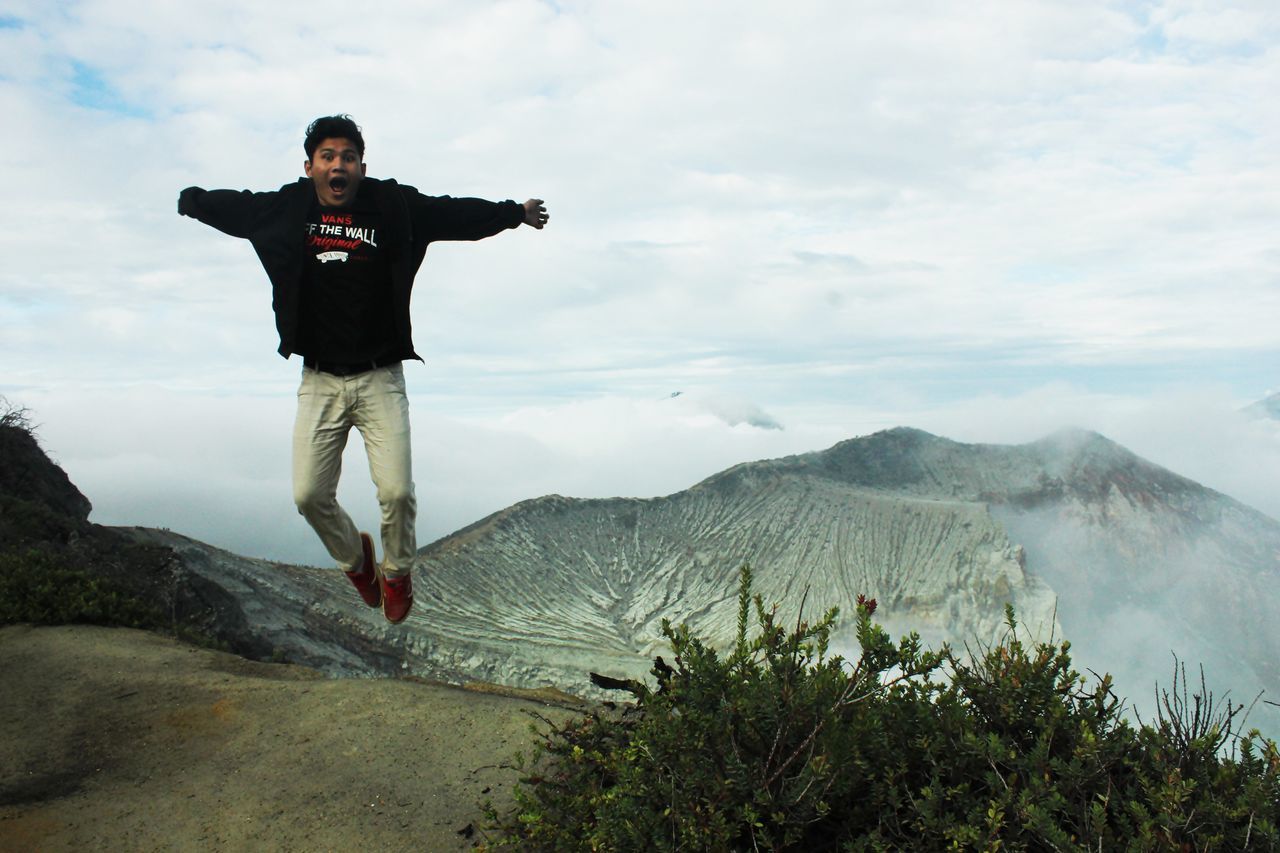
365	578
397	598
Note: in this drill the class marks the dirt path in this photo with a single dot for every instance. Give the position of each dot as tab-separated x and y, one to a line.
112	739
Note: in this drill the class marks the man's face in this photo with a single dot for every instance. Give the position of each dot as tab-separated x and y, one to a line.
336	168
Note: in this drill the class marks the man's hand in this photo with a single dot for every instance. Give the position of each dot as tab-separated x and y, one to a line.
187	201
535	213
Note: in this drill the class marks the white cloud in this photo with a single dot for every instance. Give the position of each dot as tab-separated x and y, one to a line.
852	215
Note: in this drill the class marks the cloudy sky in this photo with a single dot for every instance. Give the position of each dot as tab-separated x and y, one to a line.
814	219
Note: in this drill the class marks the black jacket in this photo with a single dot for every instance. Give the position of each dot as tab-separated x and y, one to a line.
275	222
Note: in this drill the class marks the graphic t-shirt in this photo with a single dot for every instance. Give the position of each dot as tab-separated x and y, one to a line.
346	311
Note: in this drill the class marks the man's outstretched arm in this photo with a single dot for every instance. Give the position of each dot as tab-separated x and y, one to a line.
448	218
233	212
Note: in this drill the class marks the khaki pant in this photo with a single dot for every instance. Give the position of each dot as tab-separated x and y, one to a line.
328	407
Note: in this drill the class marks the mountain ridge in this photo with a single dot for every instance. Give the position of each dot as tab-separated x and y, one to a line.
941	532
1062	455
1084	537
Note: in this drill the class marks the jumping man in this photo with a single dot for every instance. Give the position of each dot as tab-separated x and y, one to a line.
342	251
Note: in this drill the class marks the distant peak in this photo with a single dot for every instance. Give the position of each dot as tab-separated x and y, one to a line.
912	461
899	436
905	432
1076	440
1267	408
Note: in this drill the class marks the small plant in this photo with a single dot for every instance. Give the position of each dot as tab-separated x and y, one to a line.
36	586
14	416
779	746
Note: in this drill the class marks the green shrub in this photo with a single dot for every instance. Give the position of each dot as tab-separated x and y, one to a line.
41	587
24	522
778	746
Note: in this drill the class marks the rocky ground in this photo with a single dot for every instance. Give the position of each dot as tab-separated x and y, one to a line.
115	739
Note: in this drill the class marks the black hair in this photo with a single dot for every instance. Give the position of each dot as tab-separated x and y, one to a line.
332	127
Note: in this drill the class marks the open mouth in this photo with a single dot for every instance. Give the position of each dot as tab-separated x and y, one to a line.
338	183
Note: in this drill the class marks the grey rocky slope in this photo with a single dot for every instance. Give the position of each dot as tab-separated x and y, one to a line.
1138	561
1134	560
572	582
